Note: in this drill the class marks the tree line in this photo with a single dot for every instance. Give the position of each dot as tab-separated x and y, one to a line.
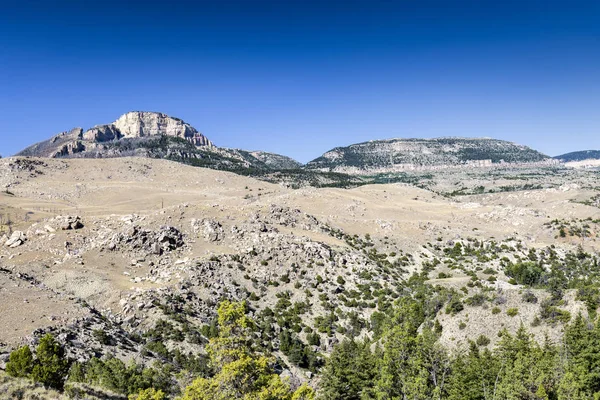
406	362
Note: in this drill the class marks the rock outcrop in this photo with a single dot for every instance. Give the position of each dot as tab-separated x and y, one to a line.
68	223
95	141
165	239
141	123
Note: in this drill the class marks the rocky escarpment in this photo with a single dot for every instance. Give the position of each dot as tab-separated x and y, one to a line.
133	125
409	154
155	135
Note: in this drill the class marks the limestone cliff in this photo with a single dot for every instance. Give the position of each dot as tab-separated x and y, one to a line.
132	125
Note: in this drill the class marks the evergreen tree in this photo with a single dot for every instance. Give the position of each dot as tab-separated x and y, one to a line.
51	366
20	363
241	373
349	372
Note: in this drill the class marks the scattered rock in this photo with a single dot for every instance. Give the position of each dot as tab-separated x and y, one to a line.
67	223
49	229
16	239
167	238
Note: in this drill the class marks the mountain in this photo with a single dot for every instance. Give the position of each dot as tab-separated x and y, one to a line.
154	135
135	125
407	154
579	156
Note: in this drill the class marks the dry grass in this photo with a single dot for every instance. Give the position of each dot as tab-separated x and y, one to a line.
25	389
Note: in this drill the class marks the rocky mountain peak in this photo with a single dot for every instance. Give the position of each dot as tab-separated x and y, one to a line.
143	123
101	140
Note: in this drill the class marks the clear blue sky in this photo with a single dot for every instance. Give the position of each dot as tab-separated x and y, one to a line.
301	77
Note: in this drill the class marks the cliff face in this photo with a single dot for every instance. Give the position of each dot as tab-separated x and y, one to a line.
407	154
133	125
140	124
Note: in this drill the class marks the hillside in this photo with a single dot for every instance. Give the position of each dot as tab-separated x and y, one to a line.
579	156
407	154
115	258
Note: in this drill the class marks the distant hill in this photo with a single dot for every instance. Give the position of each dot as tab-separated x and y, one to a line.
579	156
398	154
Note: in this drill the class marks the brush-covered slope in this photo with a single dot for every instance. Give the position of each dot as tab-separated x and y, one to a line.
579	156
393	154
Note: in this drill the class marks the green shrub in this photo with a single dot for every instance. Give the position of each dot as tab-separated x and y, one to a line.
313	339
511	312
525	273
476	300
455	306
551	313
20	363
148	394
482	341
103	337
529	297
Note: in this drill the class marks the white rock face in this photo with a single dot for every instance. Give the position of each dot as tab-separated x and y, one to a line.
142	123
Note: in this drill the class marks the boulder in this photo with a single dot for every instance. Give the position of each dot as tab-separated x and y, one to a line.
213	231
16	239
70	223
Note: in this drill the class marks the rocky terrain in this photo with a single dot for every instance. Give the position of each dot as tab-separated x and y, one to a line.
120	244
107	254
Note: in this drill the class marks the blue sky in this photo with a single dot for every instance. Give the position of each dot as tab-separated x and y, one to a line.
301	77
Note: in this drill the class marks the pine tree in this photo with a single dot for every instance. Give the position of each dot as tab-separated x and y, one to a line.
20	363
349	372
51	365
241	373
